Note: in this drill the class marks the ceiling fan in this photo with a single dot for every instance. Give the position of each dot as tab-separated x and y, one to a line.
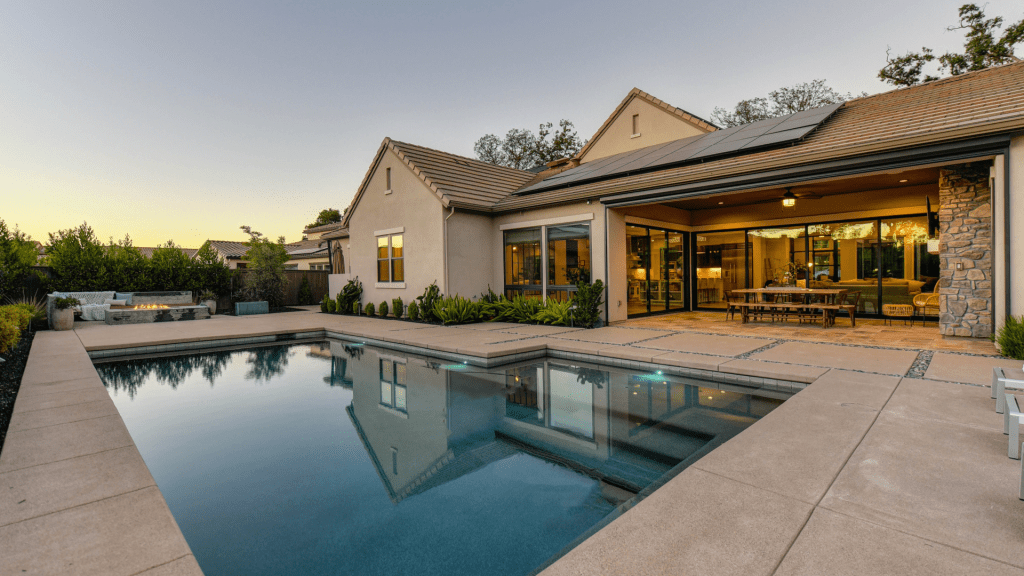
789	198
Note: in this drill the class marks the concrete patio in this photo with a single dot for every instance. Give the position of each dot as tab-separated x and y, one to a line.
892	460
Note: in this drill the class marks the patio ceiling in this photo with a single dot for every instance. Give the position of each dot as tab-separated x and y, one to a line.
882	181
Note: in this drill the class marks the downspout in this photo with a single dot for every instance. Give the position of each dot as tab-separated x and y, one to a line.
447	286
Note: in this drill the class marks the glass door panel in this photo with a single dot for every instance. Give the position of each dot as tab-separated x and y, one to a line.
721	267
843	256
677	271
638	262
658	284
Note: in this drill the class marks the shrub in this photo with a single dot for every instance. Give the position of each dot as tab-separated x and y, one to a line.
554	313
456	310
339	304
10	334
413	311
431	294
264	277
332	306
65	303
1011	337
369	309
350	293
383	310
324	303
496	308
77	259
397	307
36	309
209	272
305	292
588	304
355	308
522	309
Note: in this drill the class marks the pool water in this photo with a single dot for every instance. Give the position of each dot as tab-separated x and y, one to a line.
338	458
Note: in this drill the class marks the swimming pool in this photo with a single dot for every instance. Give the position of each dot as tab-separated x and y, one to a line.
334	457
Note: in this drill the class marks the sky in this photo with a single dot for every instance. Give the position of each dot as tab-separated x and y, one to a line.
186	120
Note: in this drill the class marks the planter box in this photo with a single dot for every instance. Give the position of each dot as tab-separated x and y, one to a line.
246	308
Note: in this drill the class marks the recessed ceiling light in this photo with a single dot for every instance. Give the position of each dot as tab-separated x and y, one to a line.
721	202
902	181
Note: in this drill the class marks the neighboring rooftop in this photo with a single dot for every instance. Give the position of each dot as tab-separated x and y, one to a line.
324	227
148	252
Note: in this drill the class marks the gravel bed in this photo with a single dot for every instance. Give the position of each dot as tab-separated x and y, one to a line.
11	370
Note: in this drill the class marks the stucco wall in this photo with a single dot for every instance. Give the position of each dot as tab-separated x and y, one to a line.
1016	230
656	126
470	254
410	205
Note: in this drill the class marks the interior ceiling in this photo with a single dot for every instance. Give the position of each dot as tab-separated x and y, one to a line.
918	177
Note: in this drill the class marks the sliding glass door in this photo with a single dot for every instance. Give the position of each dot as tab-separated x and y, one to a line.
656	270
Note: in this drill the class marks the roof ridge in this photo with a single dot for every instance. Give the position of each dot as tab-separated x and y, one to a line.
459	156
937	81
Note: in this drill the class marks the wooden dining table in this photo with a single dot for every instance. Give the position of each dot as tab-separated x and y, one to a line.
800	302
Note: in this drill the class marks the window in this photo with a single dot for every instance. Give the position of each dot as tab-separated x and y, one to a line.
523	262
390	258
636	124
563	250
291	266
568	258
318	266
388	177
392	384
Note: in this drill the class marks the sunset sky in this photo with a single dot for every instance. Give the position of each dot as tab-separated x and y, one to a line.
185	120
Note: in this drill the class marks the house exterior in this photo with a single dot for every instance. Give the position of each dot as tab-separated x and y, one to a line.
311	253
898	198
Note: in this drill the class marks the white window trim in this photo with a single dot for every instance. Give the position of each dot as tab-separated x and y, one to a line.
399	285
548	221
399	230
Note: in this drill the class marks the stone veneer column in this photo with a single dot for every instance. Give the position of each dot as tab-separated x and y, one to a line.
965	236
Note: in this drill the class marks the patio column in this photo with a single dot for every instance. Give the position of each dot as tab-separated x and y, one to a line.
965	250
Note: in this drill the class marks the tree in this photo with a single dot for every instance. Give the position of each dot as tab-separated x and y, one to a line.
209	272
522	149
327	216
264	275
127	269
780	102
171	268
981	50
78	260
17	256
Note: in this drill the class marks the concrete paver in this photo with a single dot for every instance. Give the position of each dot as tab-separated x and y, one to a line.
36	446
963	368
27	420
697	523
39	490
938	480
34	389
707	344
80	540
842	546
878	360
186	566
796	450
686	360
60	399
612	335
806	374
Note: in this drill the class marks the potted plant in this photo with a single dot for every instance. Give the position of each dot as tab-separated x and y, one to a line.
209	299
64	315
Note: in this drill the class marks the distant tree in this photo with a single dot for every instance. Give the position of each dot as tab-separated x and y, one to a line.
171	268
522	149
127	269
327	216
780	102
209	272
981	50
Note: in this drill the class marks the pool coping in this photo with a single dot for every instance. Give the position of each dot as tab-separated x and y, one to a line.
28	541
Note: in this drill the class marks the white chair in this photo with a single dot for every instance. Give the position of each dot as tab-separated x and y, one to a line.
1000	382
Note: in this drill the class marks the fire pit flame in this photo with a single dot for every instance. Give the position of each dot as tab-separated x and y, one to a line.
150	306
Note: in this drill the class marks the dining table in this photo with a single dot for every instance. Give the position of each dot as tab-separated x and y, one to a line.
795	301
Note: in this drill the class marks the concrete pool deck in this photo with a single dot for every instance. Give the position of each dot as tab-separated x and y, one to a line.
892	460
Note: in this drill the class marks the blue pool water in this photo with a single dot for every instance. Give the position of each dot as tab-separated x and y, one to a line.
332	458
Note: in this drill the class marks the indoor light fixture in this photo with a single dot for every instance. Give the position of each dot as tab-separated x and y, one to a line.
721	202
788	199
902	181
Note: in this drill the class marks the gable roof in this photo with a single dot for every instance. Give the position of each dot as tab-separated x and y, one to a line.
985	102
637	93
455	180
229	249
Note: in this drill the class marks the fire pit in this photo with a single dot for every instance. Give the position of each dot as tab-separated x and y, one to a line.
147	313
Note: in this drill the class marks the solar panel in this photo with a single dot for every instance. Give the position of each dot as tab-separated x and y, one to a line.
730	141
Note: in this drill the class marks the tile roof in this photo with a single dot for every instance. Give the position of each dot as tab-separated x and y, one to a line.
459	181
638	93
989	101
340	233
229	249
306	249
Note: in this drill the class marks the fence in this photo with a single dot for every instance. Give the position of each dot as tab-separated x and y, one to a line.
318	284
